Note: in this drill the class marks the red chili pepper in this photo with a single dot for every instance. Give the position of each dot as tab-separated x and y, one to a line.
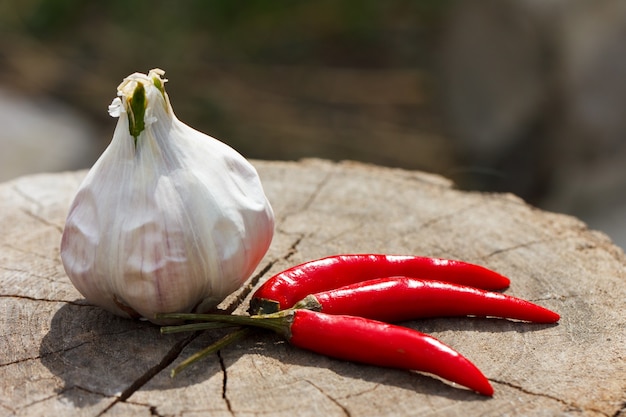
402	298
363	340
283	290
372	342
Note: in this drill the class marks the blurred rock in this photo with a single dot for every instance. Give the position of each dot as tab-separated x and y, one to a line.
41	135
535	97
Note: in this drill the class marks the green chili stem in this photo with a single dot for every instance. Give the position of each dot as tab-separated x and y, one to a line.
278	322
223	342
193	327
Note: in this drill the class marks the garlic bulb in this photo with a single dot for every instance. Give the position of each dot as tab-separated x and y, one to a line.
168	219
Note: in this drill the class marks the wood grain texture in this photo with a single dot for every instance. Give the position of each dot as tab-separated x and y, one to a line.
61	356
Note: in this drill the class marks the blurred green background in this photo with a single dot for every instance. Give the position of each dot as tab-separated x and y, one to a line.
275	80
498	95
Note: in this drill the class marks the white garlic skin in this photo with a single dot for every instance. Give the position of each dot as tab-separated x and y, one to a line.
175	224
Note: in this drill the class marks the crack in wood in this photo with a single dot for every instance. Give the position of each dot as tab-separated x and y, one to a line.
40	400
169	357
153	409
30	274
42	220
245	291
38	357
621	412
293	249
10	410
45	300
26	196
532	243
310	200
448	215
518	246
317	191
363	392
56	260
345	411
224	383
33	201
154	412
60	393
568	405
63	350
84	389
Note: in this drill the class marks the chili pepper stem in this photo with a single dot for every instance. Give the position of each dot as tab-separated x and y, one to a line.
279	322
194	327
223	342
309	302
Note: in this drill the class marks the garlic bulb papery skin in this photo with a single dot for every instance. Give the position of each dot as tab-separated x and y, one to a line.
168	219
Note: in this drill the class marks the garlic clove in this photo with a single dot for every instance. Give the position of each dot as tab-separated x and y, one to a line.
168	219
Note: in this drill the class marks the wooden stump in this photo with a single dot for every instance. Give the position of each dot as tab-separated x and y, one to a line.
61	356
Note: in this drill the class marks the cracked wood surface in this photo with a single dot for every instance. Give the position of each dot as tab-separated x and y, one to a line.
61	356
